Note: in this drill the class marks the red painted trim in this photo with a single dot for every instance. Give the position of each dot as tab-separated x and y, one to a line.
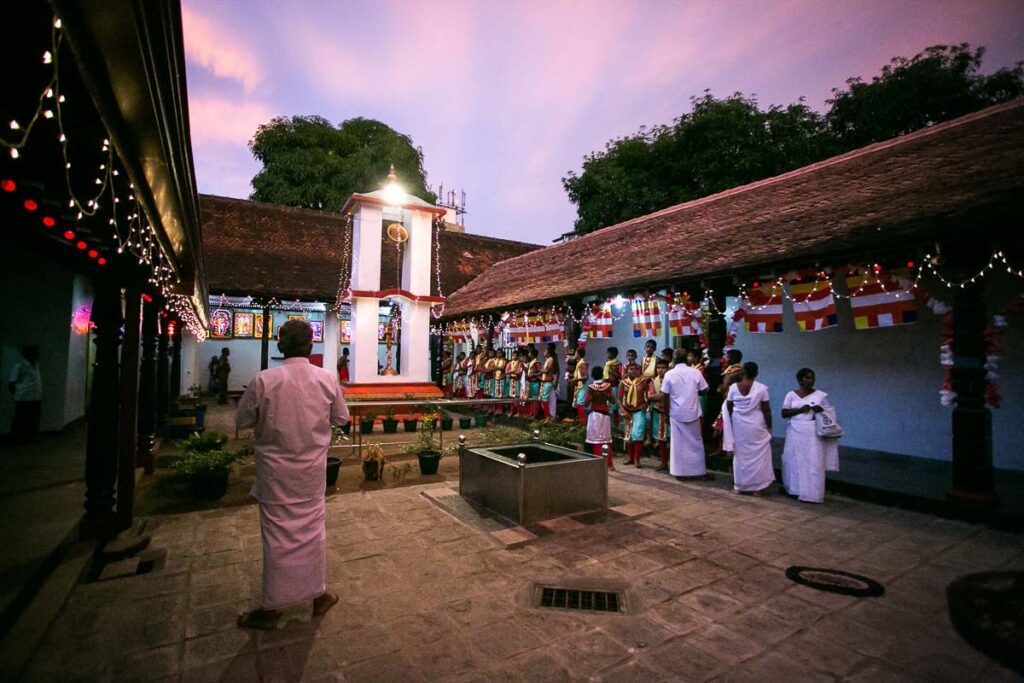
385	293
356	197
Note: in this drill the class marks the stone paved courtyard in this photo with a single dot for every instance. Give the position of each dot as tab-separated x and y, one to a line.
425	597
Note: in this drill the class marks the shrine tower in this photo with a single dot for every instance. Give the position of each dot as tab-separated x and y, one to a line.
391	217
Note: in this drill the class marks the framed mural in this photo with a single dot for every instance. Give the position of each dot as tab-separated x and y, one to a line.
243	324
257	325
220	323
318	330
297	317
381	330
346	331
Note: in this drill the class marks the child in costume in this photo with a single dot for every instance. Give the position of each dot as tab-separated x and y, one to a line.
533	375
578	385
549	382
612	375
633	403
660	428
514	372
598	400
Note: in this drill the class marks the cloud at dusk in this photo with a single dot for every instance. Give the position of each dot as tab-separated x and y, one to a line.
505	98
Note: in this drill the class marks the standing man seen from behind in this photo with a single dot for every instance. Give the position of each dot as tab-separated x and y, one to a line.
292	408
223	371
26	387
683	386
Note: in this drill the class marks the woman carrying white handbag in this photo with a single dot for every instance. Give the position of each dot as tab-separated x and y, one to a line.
812	446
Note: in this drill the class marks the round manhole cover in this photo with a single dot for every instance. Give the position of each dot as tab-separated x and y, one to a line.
987	609
835	581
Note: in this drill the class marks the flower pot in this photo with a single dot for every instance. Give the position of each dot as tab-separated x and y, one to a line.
409	425
365	426
465	422
209	484
333	467
372	470
481	420
390	425
429	460
446	423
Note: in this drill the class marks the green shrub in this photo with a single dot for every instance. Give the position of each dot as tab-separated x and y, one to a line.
205	462
204	442
560	433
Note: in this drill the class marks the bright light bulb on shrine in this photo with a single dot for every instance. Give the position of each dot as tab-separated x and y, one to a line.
394	193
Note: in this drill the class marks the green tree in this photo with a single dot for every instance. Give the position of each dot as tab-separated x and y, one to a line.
935	85
723	143
720	143
307	162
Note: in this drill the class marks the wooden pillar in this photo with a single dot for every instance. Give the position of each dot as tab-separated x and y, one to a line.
162	375
129	394
175	388
147	387
103	424
973	483
716	329
265	340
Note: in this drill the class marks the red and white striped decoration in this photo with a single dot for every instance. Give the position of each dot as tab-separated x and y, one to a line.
646	317
813	305
599	322
684	319
879	301
762	309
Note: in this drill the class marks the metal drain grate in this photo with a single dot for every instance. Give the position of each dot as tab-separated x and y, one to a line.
590	601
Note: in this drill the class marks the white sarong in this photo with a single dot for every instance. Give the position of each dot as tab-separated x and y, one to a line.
294	552
752	442
687	449
806	456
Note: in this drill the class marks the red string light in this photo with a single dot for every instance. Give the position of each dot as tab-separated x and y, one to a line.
48	221
93	253
8	185
102	261
81	245
69	234
31	205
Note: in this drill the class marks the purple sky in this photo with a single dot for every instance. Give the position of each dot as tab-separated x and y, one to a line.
506	97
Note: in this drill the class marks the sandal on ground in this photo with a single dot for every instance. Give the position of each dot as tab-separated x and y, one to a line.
324	603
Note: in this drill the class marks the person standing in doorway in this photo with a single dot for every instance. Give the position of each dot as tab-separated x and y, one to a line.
292	408
682	386
223	371
26	387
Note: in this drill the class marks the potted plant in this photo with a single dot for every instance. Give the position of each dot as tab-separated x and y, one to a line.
389	422
425	448
333	468
187	415
366	423
447	421
206	464
480	416
409	423
465	421
373	462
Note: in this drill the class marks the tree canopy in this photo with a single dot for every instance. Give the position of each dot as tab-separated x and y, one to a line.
723	143
307	162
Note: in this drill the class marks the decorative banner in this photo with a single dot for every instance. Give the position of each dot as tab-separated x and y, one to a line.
257	325
763	309
646	318
318	330
81	321
243	325
599	321
878	301
684	318
382	329
220	323
346	331
814	305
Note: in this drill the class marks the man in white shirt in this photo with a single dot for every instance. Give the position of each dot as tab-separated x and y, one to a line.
683	386
26	389
292	408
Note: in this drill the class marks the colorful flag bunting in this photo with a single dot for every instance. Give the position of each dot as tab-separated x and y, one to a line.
878	301
599	321
814	305
762	309
684	319
646	318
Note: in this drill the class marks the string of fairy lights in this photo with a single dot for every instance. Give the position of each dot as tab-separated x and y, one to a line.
132	234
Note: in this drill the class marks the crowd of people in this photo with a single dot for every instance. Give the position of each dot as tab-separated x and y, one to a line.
659	401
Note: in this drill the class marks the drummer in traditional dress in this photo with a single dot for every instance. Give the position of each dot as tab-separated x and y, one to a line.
514	375
612	375
459	375
598	401
499	383
549	383
649	369
578	385
633	403
447	375
470	373
660	429
480	372
533	376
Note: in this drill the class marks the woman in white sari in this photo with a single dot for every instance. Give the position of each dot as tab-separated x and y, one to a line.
751	419
806	455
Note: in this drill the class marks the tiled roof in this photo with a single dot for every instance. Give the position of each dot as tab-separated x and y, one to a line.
899	192
267	250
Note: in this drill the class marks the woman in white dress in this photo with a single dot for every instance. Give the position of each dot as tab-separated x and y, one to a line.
751	419
806	455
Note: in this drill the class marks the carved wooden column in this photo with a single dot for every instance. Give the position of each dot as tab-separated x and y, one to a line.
265	340
101	448
175	388
147	387
162	375
129	391
973	482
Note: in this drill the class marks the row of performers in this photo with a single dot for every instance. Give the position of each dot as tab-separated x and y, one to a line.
485	373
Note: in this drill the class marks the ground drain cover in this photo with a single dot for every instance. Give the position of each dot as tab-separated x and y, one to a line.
585	600
836	581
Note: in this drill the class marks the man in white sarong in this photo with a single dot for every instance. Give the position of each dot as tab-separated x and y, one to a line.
292	408
683	386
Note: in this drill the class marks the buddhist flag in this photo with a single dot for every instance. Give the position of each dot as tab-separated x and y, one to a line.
814	305
684	319
600	322
762	309
646	318
878	301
